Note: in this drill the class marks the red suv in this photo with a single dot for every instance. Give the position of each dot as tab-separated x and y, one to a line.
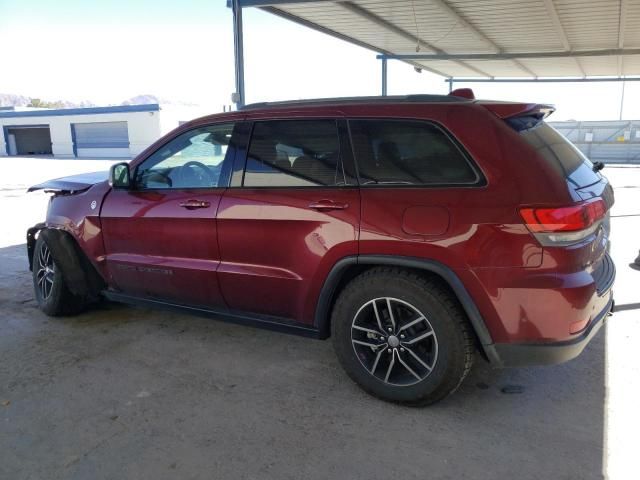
413	230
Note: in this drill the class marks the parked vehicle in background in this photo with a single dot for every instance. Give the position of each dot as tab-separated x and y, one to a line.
415	231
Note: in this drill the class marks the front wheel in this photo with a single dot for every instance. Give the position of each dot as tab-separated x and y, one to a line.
401	337
51	292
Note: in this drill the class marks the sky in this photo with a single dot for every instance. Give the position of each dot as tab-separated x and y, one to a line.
106	51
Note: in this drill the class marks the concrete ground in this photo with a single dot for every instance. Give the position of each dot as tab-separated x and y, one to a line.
128	393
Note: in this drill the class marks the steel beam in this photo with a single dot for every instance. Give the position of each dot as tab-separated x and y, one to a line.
513	55
451	81
555	19
381	22
621	24
340	36
271	3
452	13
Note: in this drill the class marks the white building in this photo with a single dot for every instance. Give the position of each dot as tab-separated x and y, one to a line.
97	132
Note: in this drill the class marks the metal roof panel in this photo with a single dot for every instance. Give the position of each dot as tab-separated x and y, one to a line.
485	26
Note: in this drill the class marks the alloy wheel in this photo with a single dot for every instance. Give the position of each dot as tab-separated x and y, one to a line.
394	341
46	272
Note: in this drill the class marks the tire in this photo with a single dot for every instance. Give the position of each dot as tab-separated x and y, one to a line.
51	292
433	356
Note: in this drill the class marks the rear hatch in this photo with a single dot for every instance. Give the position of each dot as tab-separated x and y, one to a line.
583	223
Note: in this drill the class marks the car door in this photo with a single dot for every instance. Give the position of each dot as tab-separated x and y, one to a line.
161	235
291	216
422	194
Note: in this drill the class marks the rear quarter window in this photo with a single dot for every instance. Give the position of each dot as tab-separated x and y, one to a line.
408	152
560	154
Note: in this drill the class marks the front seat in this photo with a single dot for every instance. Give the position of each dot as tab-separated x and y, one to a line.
388	154
282	161
303	168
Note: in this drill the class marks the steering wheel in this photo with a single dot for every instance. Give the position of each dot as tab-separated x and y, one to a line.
199	176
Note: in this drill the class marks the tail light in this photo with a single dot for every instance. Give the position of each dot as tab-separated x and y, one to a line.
564	225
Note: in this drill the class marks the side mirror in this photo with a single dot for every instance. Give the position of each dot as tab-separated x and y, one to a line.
119	176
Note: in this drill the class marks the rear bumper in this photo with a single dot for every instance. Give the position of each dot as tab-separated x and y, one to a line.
549	353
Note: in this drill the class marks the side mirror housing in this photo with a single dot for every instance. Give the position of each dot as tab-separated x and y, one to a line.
119	176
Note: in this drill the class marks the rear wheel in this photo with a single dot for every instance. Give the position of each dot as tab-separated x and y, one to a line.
402	337
51	292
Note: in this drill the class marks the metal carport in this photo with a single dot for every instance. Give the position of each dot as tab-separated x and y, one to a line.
476	40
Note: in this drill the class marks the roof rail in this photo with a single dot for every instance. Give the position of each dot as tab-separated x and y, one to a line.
421	98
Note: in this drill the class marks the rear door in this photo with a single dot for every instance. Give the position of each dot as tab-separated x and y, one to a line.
416	188
161	235
294	213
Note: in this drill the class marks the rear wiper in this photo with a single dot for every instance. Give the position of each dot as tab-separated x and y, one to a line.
597	166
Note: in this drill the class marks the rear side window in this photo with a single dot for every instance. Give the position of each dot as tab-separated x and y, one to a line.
408	152
560	153
294	153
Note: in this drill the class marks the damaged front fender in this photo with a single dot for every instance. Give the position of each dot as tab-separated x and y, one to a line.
31	241
80	276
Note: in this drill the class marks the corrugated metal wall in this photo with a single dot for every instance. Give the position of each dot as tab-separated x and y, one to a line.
604	141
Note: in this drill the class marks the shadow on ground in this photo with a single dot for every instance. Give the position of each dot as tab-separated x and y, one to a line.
120	392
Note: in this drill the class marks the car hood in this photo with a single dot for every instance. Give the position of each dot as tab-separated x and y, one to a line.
72	184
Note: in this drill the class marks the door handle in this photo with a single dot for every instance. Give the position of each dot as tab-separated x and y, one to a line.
326	205
193	204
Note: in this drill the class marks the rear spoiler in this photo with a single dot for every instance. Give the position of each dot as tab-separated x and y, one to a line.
509	110
506	110
520	116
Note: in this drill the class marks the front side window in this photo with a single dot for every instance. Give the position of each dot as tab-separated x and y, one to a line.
191	160
408	152
294	153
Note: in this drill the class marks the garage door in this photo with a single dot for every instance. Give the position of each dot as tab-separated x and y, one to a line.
28	140
101	139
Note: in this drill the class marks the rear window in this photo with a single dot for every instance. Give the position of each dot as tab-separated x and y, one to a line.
408	152
561	154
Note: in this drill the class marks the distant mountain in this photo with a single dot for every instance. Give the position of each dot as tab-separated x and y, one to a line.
13	100
141	100
148	99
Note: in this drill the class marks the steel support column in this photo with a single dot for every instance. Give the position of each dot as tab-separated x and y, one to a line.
384	77
622	99
238	95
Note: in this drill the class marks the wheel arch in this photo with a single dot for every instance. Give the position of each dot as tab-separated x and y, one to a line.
31	241
79	274
349	267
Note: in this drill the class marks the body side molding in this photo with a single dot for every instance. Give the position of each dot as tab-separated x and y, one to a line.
265	322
